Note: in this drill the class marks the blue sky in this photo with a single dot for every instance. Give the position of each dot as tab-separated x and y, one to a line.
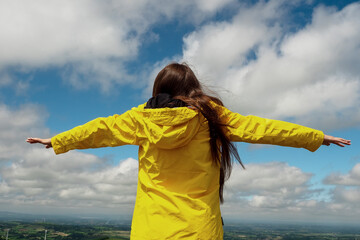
65	63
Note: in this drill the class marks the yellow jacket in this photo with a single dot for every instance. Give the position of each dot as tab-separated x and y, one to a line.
178	185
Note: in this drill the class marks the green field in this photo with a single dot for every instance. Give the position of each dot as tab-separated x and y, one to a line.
19	230
290	231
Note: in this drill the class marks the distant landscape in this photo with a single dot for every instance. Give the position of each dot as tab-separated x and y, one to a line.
25	226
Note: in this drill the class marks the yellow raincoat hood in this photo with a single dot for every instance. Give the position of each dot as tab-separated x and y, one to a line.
169	128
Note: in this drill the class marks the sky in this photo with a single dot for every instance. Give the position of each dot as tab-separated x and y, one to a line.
64	63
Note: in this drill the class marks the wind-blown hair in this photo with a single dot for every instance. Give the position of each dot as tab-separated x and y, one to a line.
180	82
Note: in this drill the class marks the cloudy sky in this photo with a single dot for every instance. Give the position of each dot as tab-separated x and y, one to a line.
63	63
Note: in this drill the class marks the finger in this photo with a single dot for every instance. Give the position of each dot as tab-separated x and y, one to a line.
344	141
34	140
31	140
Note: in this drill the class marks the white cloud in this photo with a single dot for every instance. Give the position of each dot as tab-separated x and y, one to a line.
350	179
33	176
211	5
349	197
91	40
266	177
268	190
16	125
310	75
275	190
346	192
72	181
268	185
42	33
220	46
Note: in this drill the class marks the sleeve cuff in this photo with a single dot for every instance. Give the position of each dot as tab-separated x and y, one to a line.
58	149
317	142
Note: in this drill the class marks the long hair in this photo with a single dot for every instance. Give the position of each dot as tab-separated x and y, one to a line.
180	82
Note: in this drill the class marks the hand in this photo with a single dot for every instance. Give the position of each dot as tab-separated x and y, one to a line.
46	142
335	140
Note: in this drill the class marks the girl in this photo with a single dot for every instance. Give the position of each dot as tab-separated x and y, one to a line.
185	146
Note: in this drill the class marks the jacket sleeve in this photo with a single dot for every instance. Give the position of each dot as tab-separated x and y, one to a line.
254	129
112	131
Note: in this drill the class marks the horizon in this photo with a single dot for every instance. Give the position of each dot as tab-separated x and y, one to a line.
126	219
66	63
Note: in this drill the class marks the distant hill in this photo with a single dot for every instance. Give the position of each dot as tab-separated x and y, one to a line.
65	219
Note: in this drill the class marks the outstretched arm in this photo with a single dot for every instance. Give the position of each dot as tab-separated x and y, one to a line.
111	131
46	142
335	140
254	129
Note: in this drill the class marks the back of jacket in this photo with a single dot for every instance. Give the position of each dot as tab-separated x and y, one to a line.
178	183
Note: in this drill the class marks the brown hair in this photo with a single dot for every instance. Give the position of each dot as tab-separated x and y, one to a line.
180	82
